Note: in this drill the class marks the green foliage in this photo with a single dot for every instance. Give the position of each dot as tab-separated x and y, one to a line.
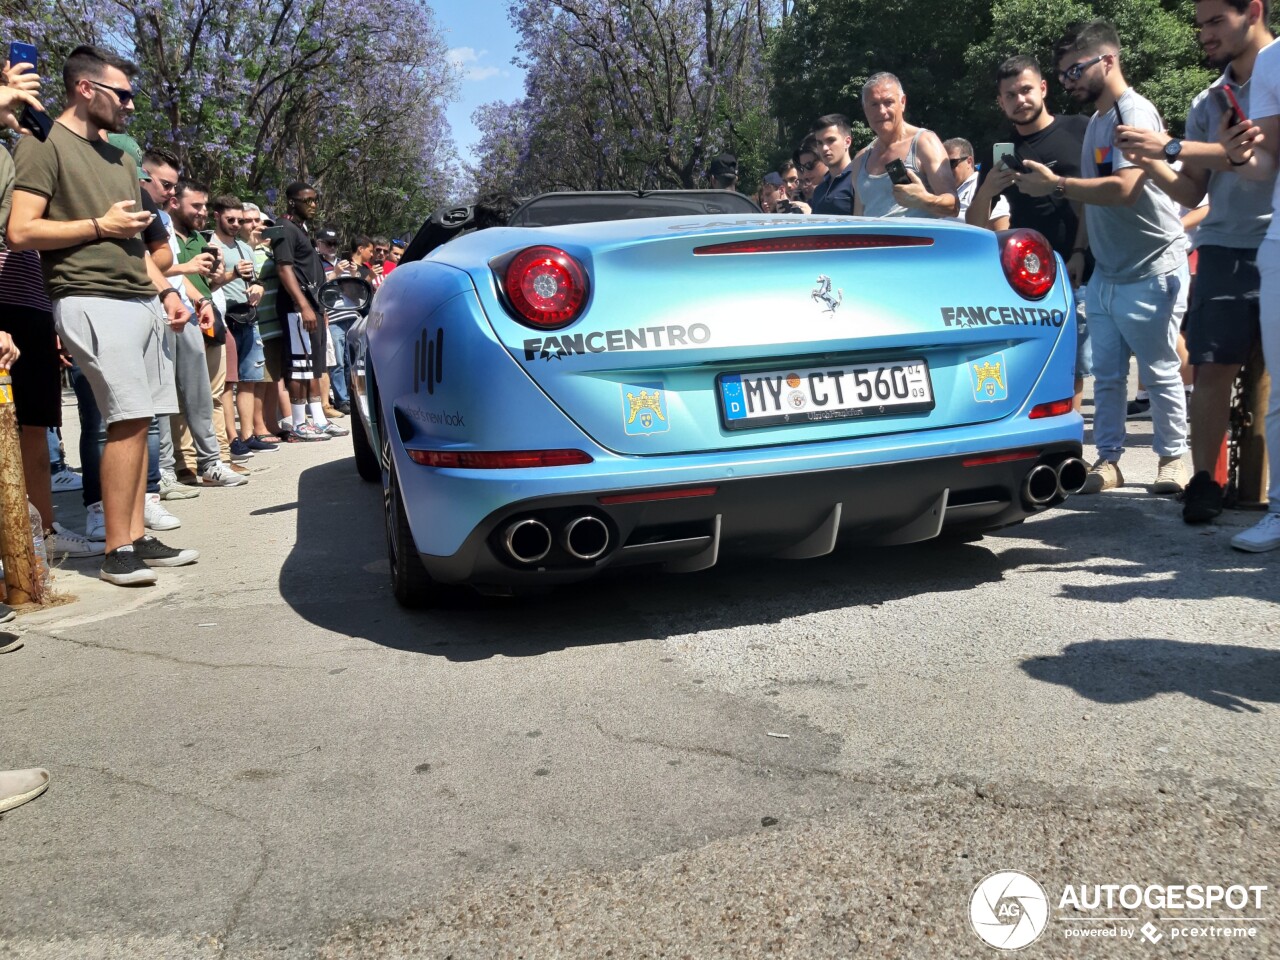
946	54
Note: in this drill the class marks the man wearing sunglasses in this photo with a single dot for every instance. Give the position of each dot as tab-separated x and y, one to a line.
1139	286
77	200
960	157
810	168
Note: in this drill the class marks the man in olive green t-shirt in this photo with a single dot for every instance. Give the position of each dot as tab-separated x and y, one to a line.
76	200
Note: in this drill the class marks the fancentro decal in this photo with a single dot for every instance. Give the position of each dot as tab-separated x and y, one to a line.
613	341
995	316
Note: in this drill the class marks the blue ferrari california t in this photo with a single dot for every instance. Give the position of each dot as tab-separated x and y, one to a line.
668	378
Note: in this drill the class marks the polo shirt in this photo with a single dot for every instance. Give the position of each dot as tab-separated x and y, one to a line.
834	195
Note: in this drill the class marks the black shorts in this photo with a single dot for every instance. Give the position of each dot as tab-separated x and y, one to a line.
1222	318
37	384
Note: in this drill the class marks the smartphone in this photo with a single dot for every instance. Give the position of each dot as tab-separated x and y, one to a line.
897	171
20	52
1003	153
37	121
1119	115
1227	101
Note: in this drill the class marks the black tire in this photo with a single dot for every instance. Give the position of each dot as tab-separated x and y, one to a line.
366	458
410	582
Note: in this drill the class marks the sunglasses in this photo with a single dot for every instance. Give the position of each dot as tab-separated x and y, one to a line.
233	220
1076	70
381	251
167	185
957	161
807	167
124	96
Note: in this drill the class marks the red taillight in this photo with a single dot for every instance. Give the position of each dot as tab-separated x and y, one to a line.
990	458
806	244
1028	262
1054	408
498	459
659	495
545	286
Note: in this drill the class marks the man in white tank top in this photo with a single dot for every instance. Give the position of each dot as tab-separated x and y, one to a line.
932	190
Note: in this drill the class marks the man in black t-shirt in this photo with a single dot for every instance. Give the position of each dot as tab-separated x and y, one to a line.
1055	142
301	275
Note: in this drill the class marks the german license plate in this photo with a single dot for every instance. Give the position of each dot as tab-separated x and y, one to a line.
813	394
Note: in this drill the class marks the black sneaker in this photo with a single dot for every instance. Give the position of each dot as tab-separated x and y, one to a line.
6	613
1139	409
125	568
155	554
1202	500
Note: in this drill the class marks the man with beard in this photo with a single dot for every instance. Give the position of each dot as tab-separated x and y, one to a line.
1139	248
931	191
200	360
76	199
1055	142
1222	320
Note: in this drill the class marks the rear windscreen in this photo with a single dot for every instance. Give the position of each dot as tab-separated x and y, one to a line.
559	209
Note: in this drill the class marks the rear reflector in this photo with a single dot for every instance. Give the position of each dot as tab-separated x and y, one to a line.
659	495
1055	408
989	458
808	244
498	459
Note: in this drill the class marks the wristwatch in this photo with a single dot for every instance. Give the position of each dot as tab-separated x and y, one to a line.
1172	149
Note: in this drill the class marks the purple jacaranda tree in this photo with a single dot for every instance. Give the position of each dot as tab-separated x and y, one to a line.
251	94
630	93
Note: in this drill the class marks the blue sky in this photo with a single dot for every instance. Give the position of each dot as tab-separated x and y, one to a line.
482	43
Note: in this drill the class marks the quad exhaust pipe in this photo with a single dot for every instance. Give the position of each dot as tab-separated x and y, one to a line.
1040	485
527	541
1045	484
585	537
1072	473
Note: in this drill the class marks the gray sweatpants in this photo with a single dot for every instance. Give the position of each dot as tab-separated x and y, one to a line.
195	398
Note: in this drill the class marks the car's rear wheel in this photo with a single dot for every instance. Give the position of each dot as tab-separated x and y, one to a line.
366	457
410	582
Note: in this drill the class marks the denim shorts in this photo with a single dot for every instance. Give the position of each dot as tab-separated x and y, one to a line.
249	354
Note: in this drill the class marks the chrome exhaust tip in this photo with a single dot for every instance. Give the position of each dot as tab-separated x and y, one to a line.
585	537
1072	474
1040	485
527	541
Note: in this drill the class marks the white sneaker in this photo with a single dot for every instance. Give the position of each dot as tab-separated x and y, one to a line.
1261	537
95	524
1171	476
220	475
156	517
67	543
171	489
66	481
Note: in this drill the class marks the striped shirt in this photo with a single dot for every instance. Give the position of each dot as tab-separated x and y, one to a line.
22	281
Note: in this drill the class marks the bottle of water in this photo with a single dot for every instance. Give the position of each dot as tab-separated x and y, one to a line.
42	556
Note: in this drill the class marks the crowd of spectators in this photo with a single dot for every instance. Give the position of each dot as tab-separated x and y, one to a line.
185	320
1168	242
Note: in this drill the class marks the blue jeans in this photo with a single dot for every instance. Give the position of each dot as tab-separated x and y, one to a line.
1141	318
338	374
93	437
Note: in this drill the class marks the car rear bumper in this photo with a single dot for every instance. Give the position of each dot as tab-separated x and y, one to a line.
790	515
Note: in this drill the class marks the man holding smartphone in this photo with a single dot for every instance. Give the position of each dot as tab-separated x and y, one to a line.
1222	319
1139	246
76	199
1055	142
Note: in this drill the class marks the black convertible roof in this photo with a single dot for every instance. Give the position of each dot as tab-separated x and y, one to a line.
559	209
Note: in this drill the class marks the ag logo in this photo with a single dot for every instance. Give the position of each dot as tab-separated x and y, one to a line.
428	361
1008	910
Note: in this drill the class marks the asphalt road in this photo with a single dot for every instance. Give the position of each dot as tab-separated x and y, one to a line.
264	757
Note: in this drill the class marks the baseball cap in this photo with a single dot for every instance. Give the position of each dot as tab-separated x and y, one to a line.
130	146
268	218
773	179
328	235
726	164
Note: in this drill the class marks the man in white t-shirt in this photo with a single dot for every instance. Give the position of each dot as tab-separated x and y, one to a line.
960	156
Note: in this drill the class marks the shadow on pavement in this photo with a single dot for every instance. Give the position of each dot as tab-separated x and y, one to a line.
1126	671
336	578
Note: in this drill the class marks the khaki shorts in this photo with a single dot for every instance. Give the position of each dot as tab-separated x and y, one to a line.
121	347
273	359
